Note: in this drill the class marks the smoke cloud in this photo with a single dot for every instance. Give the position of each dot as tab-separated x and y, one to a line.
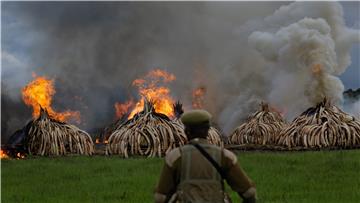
305	47
353	108
242	52
303	56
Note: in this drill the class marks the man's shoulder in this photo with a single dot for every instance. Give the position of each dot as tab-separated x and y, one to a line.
175	154
172	156
229	156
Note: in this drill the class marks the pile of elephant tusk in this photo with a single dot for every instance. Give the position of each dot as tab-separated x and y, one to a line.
47	137
322	126
261	128
147	134
214	137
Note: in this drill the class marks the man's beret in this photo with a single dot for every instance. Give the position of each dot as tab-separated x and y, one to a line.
196	118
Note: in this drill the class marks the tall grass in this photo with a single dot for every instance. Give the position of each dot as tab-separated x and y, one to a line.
324	176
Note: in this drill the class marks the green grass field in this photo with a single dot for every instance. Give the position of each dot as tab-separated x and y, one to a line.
324	176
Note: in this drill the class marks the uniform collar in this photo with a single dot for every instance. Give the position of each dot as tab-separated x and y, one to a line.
199	140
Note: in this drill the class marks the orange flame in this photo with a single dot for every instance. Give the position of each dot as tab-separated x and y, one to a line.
198	97
38	94
3	154
159	95
20	156
97	141
122	109
150	90
317	69
281	111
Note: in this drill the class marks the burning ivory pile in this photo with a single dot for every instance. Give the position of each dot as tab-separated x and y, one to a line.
322	126
148	134
261	128
108	130
214	136
46	136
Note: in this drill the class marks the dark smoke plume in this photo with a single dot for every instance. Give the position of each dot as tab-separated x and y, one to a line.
94	50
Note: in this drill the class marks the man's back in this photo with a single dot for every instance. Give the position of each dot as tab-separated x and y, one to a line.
199	180
194	179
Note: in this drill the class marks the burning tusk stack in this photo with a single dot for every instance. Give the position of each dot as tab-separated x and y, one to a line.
148	134
214	136
261	128
49	137
108	130
322	126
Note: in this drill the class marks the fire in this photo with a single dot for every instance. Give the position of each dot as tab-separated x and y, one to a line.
20	156
281	111
317	69
38	94
97	141
149	89
198	97
122	109
3	154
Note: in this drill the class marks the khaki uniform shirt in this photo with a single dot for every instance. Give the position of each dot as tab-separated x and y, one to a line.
171	172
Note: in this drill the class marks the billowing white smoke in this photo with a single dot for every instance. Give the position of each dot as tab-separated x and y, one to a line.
353	108
301	49
303	59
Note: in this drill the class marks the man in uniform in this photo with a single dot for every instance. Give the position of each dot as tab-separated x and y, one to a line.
195	172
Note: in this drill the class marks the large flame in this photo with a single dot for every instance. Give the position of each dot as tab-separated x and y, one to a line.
38	94
150	89
198	97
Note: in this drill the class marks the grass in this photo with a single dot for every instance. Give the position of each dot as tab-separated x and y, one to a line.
323	176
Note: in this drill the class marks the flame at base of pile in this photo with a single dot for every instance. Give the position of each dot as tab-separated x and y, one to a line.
3	155
148	134
46	136
322	126
261	128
